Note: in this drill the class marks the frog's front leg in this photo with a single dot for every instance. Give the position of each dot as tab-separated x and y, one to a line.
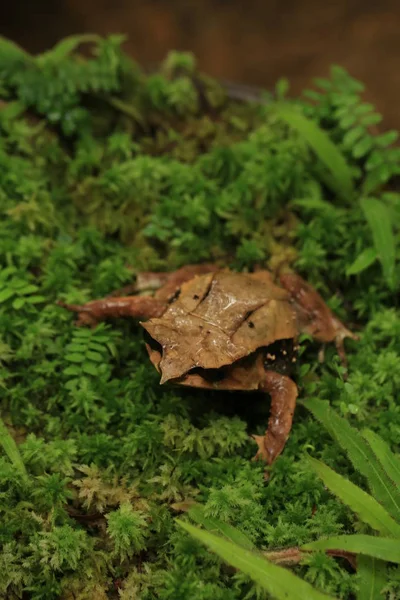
283	392
139	307
314	316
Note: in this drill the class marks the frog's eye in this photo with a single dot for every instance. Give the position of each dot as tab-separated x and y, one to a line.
175	296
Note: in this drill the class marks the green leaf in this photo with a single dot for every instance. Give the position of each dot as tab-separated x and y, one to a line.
389	461
67	46
11	51
365	506
360	454
83	332
18	303
282	88
347	120
11	449
324	148
75	357
127	109
12	110
72	370
378	547
362	262
89	368
35	299
378	218
277	581
314	203
364	109
95	356
362	147
95	346
387	138
313	95
5	273
18	284
28	289
73	347
372	119
372	575
6	294
216	526
353	136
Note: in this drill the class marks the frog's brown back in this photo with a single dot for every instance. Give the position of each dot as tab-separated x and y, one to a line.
219	318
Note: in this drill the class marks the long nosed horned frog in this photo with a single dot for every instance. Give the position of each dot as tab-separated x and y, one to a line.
216	329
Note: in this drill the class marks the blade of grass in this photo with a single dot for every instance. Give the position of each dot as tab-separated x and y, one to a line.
365	506
362	262
11	449
360	454
372	577
370	545
379	220
277	581
216	526
389	461
327	152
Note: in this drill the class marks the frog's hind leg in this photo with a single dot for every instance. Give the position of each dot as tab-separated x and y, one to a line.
314	316
120	304
140	307
283	392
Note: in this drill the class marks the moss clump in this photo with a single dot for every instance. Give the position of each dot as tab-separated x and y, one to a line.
103	166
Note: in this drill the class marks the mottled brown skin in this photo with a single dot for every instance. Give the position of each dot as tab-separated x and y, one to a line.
215	329
314	316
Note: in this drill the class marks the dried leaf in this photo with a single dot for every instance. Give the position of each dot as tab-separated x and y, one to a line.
218	319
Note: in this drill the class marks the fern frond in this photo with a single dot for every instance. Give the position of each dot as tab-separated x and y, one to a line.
339	106
360	454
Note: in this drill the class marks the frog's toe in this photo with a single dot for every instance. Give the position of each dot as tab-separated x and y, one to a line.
262	453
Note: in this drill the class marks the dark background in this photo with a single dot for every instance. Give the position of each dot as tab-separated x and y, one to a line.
253	42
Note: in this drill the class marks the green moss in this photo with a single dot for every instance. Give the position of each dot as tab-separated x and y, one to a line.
101	167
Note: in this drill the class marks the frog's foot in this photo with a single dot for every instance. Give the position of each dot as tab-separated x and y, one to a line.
261	453
283	392
140	307
84	319
341	334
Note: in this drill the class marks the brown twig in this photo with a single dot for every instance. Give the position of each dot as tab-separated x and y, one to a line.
292	556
